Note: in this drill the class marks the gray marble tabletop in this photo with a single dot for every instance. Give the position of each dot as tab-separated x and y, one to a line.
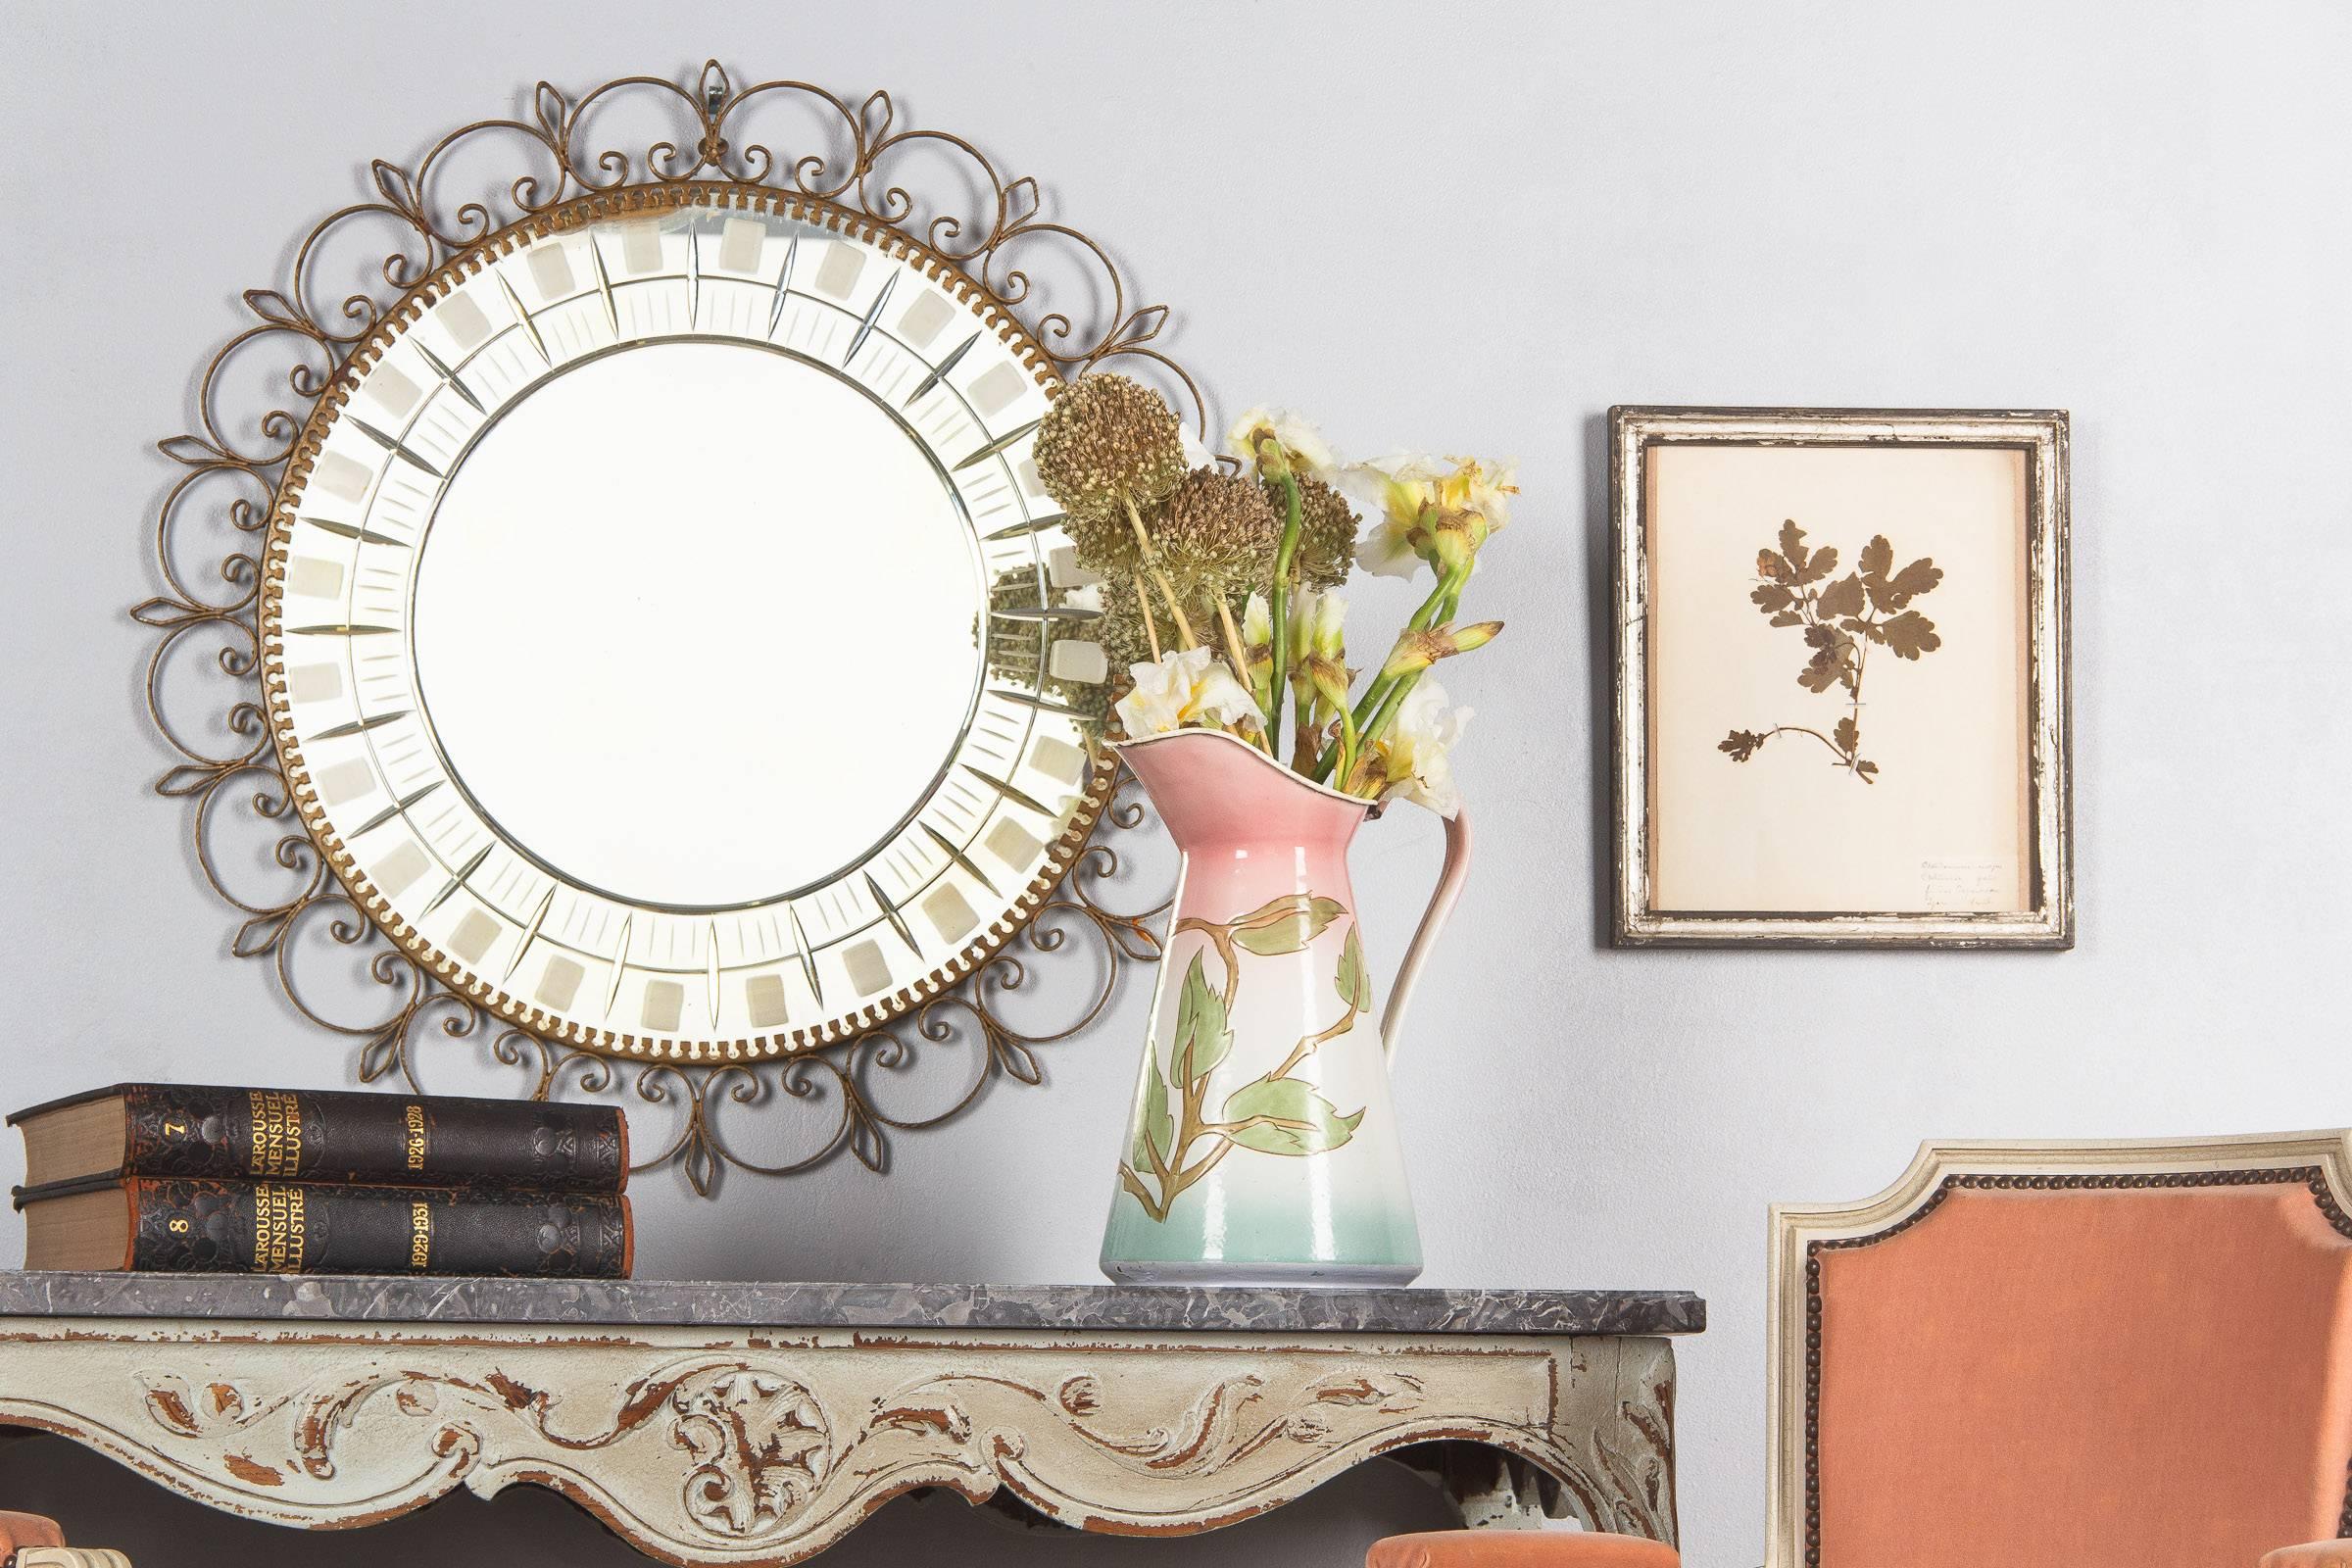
407	1299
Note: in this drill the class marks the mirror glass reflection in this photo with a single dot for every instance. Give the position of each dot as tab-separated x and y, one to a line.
714	591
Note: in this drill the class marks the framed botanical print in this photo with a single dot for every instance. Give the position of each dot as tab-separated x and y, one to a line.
1841	677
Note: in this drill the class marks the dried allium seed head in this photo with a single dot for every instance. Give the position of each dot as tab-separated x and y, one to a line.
1327	528
1105	544
1215	532
1121	633
1106	442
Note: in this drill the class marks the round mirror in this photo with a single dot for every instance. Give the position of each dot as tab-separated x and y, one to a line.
668	637
757	516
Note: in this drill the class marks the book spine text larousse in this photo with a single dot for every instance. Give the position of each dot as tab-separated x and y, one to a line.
297	1228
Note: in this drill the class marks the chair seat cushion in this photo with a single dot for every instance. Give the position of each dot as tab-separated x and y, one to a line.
27	1530
2319	1554
1519	1548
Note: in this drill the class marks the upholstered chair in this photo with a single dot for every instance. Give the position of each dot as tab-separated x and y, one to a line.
18	1531
2045	1356
28	1541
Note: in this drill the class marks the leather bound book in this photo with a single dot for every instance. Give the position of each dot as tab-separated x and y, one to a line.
322	1136
173	1225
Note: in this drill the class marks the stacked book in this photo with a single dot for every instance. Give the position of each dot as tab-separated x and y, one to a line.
177	1177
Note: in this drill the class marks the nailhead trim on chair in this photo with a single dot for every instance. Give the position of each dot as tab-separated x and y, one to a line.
2310	1176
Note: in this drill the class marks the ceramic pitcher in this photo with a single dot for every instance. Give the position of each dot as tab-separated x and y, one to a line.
1263	1146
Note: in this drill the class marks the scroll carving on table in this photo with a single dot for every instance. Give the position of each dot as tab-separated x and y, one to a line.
768	1446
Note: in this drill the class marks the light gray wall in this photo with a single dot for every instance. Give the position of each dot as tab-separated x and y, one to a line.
1468	228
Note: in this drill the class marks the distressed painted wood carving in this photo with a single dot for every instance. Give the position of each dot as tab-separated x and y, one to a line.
768	1446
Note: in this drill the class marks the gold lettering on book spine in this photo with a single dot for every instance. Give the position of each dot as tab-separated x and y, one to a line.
275	1147
421	1236
412	1125
279	1233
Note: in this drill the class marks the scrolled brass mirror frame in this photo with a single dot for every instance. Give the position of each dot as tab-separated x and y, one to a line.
845	186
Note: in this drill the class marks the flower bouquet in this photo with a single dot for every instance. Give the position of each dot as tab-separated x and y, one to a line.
1220	583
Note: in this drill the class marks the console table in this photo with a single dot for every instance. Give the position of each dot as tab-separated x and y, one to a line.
742	1423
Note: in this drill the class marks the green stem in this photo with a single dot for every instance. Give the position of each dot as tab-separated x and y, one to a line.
1387	713
1441	600
1438	607
1278	602
1346	745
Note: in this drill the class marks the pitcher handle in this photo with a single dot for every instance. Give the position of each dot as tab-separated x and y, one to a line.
1450	877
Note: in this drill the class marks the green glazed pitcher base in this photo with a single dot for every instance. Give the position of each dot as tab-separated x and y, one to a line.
1217	1271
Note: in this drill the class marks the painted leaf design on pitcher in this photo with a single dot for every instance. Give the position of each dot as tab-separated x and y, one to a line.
1285	1117
1177	1142
1156	1130
1284	925
1203	1039
1354	981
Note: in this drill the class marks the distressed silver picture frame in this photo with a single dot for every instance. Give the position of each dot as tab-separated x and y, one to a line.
1636	434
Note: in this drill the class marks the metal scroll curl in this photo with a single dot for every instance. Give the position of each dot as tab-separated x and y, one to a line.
353	267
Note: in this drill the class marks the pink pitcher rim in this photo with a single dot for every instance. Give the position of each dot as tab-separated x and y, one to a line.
1372	809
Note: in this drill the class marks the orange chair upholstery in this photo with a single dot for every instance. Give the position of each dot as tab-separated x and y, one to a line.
2123	1355
2026	1356
2143	1375
28	1541
19	1530
1520	1548
2319	1554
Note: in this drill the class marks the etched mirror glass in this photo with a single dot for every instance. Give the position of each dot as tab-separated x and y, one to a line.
668	638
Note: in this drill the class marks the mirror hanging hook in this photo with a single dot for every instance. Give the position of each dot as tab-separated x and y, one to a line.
715	92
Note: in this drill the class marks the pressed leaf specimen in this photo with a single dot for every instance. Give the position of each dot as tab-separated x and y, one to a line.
1842	619
1180	1140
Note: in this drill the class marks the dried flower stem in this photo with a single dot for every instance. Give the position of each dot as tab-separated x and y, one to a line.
1237	654
1142	597
1836	750
1167	590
